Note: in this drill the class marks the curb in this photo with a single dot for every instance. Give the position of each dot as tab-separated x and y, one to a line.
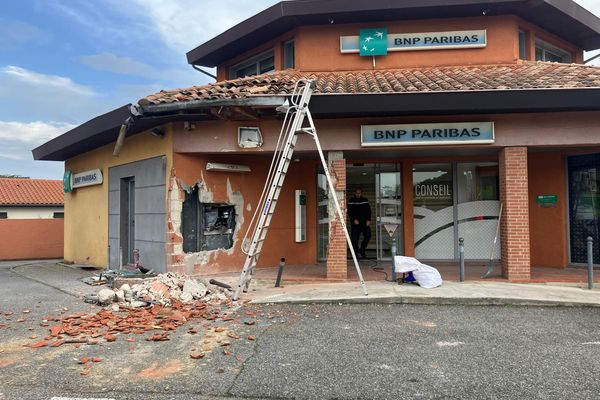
441	301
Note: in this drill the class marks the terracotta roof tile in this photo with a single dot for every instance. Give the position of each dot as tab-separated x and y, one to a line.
31	192
524	75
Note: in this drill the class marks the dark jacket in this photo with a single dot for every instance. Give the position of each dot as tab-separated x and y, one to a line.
359	208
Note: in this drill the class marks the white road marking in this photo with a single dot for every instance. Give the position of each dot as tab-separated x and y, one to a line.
78	398
595	343
449	344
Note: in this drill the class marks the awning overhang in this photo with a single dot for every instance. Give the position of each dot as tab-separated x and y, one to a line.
104	129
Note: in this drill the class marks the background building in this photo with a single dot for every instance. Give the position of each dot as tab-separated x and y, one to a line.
31	219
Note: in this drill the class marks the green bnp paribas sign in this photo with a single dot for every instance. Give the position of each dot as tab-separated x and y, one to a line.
373	42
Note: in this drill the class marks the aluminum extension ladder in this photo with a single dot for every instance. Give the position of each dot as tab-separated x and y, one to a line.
295	115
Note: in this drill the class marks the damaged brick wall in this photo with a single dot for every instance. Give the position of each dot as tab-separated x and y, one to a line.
242	190
192	262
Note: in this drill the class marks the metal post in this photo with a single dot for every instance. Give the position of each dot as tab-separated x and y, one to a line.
108	257
120	257
590	256
394	249
280	272
461	254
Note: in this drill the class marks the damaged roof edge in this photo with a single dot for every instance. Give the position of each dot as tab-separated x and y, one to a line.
287	15
270	101
82	132
104	129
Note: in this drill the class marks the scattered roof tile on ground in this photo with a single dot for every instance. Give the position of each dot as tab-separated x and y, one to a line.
31	192
518	76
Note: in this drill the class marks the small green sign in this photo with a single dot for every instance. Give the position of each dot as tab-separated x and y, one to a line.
67	181
373	42
547	200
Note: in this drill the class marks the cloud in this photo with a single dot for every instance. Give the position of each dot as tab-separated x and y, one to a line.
110	62
33	133
18	138
182	25
27	95
53	81
16	33
10	156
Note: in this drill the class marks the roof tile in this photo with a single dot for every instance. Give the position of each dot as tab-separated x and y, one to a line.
523	75
31	192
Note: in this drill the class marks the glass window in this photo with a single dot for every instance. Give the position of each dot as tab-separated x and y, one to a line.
478	208
260	64
433	211
546	52
58	215
3	215
522	45
584	206
454	200
289	55
322	214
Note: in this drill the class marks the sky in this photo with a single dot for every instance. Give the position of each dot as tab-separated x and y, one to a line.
63	62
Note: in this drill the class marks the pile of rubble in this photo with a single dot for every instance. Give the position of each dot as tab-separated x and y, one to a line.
155	306
165	290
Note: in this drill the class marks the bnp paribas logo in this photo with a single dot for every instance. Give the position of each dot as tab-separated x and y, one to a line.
373	42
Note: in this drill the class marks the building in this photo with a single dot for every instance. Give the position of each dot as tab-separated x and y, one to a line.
465	108
31	218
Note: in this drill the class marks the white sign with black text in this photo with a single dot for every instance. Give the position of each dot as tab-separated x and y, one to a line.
87	178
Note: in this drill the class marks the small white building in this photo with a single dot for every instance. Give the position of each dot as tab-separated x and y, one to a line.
31	219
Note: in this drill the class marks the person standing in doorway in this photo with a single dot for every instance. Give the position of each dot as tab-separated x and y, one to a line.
359	212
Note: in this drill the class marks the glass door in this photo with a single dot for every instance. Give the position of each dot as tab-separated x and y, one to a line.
389	210
584	206
322	215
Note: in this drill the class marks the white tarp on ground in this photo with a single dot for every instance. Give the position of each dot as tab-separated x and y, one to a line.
426	276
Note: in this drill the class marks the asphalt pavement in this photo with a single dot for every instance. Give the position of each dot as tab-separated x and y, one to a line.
319	351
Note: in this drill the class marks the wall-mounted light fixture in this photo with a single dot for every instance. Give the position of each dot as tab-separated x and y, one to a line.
249	137
158	132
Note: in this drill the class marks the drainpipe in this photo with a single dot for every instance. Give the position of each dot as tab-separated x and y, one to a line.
135	114
591	59
197	68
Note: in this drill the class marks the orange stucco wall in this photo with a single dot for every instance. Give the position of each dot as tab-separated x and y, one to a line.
531	130
191	169
548	226
317	48
31	239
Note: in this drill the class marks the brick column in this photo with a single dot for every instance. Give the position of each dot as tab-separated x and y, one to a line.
174	244
337	263
514	227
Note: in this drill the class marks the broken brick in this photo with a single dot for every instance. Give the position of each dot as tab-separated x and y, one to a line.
41	343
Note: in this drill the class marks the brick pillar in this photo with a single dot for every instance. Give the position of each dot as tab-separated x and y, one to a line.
337	263
514	227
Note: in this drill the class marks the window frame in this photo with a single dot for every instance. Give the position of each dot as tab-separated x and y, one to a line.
3	214
256	60
58	215
285	47
566	56
522	44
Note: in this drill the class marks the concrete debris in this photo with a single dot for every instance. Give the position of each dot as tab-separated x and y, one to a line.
196	289
164	289
106	296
